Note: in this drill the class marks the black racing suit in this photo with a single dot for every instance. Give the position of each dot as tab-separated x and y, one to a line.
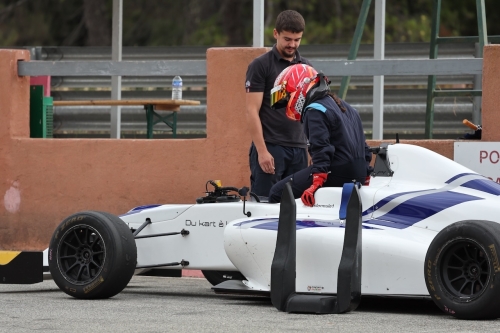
336	144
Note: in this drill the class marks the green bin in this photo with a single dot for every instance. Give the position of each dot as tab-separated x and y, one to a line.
41	113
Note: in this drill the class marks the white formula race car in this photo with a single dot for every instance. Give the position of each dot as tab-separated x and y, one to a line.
425	226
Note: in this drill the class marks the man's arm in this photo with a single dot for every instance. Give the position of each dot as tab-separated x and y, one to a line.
253	103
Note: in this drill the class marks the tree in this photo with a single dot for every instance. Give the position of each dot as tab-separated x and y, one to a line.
96	18
224	22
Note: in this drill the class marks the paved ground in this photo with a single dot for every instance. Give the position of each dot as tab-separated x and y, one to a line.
159	304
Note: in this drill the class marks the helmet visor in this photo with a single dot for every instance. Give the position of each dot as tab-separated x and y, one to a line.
278	94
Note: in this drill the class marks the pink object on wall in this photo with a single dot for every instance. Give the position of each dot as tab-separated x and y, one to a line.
41	81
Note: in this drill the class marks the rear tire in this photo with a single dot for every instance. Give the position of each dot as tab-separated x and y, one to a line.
216	277
462	270
92	255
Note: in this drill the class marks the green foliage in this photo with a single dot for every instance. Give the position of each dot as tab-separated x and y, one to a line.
208	34
417	29
228	22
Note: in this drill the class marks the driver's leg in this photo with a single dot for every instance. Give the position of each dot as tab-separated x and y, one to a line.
300	181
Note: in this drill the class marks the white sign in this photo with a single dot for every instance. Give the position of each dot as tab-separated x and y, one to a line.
481	157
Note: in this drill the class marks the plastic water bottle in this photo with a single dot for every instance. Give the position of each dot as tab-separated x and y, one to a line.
177	87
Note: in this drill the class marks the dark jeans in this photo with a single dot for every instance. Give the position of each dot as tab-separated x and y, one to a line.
287	161
302	180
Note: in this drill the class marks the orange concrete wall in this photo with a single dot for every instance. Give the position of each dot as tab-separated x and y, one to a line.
491	93
44	180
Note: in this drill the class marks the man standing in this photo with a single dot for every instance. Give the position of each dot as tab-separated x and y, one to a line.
278	143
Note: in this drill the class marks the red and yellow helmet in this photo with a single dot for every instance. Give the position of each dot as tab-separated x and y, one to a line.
291	88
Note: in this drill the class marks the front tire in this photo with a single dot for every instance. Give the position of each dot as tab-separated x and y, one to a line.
92	255
462	270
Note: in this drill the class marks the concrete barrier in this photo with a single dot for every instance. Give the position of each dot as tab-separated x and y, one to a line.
44	180
491	93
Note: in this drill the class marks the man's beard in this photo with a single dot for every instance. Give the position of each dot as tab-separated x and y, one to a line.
289	51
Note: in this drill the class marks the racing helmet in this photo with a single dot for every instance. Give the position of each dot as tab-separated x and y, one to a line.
298	86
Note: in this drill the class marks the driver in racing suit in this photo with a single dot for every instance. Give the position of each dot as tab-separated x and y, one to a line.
333	128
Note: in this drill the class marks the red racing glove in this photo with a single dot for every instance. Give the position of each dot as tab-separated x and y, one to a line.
308	195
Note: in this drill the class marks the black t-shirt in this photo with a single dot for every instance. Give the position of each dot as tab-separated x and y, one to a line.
276	126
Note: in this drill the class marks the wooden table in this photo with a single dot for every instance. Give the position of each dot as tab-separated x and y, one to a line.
150	106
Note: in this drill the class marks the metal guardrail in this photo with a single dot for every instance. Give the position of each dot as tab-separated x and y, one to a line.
404	108
112	68
313	52
398	67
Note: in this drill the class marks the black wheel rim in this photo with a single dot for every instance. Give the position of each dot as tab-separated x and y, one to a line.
81	254
465	269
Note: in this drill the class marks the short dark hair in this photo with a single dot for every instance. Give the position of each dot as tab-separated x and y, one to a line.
291	21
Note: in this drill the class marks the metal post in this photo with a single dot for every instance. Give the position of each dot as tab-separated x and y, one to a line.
378	81
116	55
481	24
477	85
174	125
353	51
431	81
258	23
483	40
149	120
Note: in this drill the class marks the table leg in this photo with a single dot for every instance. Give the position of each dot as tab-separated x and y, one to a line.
149	119
174	126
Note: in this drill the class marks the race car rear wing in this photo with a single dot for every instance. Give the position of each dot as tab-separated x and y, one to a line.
283	268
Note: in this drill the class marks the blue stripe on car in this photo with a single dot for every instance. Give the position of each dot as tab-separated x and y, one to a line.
419	208
402	216
272	224
483	185
389	224
479	183
385	201
460	175
239	224
138	209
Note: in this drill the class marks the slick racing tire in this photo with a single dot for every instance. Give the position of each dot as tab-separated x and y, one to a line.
216	277
92	255
462	271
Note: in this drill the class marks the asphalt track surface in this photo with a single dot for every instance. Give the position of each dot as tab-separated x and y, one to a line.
162	304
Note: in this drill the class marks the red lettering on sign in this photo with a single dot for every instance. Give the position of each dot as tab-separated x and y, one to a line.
482	155
494	157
